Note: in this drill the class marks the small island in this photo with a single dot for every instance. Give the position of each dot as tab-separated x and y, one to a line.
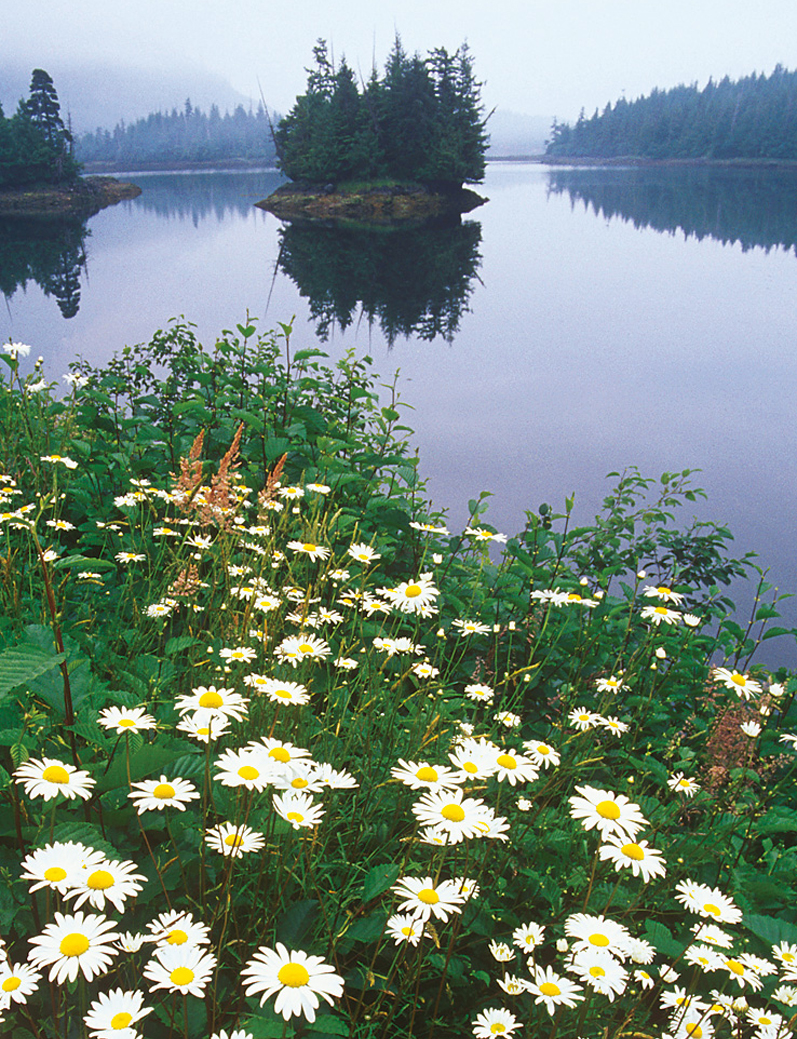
39	174
396	152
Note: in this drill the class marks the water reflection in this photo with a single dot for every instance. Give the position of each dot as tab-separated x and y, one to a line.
197	196
47	250
754	207
410	281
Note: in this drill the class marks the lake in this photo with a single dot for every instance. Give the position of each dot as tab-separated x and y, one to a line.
581	321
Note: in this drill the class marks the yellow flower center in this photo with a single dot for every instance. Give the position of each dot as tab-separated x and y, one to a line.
295	817
293	975
54	874
597	972
308	546
55	774
121	1020
764	1020
735	967
549	989
100	879
497	1028
662	610
413	590
248	772
299	783
127	723
177	937
633	851
74	944
694	1030
598	939
305	647
427	774
408	931
11	984
454	813
286	694
233	840
204	731
428	896
163	791
279	754
709	907
663	590
506	761
543	749
738	679
181	976
574	597
210	699
468	766
787	957
608	809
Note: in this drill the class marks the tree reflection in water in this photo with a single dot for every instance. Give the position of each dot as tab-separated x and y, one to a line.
47	250
411	281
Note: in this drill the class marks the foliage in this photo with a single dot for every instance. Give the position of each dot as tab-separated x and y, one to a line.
750	118
190	135
35	146
422	121
175	522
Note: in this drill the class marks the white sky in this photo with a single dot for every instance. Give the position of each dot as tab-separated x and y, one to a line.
541	57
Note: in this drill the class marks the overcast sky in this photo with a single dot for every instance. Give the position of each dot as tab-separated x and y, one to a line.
541	57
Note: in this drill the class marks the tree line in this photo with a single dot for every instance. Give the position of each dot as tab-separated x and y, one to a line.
423	120
35	145
185	136
751	118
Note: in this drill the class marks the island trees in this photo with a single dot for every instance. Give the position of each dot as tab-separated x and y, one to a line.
35	145
423	120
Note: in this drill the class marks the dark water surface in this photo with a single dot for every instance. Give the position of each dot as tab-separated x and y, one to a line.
582	321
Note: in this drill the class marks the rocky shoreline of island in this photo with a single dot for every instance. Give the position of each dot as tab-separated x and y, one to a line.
85	197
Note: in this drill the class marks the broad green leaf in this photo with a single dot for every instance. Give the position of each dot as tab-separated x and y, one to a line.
771	929
21	664
379	879
296	921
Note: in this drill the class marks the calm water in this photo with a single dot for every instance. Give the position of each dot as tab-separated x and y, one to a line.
580	322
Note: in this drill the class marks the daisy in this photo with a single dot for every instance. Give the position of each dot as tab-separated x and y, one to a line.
126	720
751	729
278	751
601	971
70	463
424	899
659	614
451	811
662	592
501	951
646	980
17	982
17	350
482	534
494	1021
574	599
785	953
251	768
492	826
152	795
429	528
300	776
583	719
419	775
295	648
508	719
178	928
762	1019
394	646
309	548
640	951
553	989
609	814
298	809
362	554
712	935
709	902
515	768
222	703
131	941
404	928
468	627
466	887
115	1011
613	725
425	670
335	778
702	956
596	932
512	985
789	737
415	596
107	881
56	866
318	488
480	693
234	841
204	725
73	944
180	968
642	860
129	557
541	753
528	936
297	978
48	778
608	685
474	759
743	686
286	692
682	784
740	973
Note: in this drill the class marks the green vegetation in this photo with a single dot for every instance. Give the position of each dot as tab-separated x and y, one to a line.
281	754
423	121
752	118
175	138
35	146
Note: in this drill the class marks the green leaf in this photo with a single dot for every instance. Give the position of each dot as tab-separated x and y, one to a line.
778	820
661	937
21	664
771	929
296	922
87	561
329	1025
367	928
174	645
379	879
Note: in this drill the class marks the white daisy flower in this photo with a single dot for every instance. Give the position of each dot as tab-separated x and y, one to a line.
17	982
178	928
553	989
541	753
634	855
682	784
106	881
402	927
662	592
234	841
420	775
122	719
424	899
155	795
180	968
606	812
494	1021
56	865
81	943
115	1011
47	778
744	687
298	809
222	703
297	978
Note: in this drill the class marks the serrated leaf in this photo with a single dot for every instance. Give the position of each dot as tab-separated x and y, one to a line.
379	879
174	645
21	664
19	754
661	937
771	929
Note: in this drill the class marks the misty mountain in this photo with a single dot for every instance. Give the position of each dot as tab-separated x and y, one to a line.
95	96
513	133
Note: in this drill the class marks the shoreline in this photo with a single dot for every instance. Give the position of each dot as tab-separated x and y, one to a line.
84	198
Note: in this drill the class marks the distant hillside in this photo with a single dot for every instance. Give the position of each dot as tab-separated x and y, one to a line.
513	133
752	118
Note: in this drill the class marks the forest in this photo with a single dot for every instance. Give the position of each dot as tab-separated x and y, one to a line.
35	145
422	121
751	118
185	136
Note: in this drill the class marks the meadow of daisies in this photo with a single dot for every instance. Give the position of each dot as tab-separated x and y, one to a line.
280	754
